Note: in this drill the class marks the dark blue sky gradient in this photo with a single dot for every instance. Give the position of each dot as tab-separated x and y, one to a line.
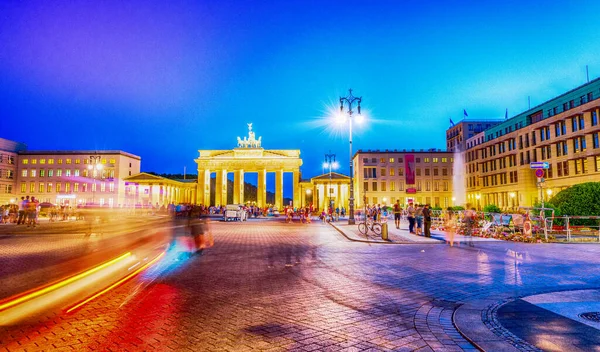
163	79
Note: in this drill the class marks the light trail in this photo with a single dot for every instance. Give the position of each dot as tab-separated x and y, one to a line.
116	284
11	302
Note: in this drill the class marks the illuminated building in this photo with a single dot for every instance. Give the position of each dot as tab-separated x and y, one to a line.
8	170
562	131
67	178
457	134
382	177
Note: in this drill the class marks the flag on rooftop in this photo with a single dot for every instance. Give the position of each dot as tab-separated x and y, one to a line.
465	112
506	114
451	122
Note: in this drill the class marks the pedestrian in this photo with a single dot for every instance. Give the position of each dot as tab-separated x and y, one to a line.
397	211
419	219
200	232
427	220
469	223
22	208
411	217
450	225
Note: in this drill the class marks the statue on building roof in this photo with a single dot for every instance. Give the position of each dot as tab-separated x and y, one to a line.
250	141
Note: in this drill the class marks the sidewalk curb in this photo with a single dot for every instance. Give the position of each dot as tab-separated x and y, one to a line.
380	241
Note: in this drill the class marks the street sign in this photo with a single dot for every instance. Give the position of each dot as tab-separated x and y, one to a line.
539	172
539	165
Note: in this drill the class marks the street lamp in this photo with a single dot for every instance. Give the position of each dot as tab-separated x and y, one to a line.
94	167
349	100
330	163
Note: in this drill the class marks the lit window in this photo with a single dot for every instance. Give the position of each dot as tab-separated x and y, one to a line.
50	173
435	160
59	161
68	161
50	161
41	187
42	161
34	161
58	187
24	173
42	172
33	173
102	187
103	161
23	187
444	160
67	187
49	188
77	161
76	187
111	187
32	187
112	161
68	172
426	160
76	172
59	172
25	161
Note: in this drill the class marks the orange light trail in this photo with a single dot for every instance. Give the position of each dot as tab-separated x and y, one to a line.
34	294
116	283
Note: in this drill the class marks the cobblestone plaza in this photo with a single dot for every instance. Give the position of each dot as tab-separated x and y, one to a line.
271	286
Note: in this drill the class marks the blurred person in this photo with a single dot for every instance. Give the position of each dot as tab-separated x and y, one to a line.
22	210
411	217
200	232
427	220
450	225
397	211
419	219
469	219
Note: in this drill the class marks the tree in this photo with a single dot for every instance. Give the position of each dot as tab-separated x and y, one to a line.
579	200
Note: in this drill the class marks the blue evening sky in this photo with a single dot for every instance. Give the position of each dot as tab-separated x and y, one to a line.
162	79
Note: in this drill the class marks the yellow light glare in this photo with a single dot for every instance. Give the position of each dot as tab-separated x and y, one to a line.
18	300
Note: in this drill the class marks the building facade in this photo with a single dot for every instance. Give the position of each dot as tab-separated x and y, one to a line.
383	177
564	132
76	177
8	170
147	189
458	134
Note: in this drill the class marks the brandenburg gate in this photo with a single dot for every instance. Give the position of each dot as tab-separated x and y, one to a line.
249	156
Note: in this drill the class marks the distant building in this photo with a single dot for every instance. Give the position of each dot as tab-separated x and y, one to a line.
385	176
72	178
457	135
8	170
562	131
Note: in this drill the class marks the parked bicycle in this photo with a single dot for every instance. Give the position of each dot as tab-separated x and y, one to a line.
369	224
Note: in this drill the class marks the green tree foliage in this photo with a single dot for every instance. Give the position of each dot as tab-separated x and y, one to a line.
578	200
491	208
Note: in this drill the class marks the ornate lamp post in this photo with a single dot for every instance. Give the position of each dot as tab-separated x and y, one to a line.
94	167
331	163
350	100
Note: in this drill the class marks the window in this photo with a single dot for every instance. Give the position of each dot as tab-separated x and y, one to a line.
418	160
370	172
373	160
374	186
418	172
42	173
445	171
427	186
85	187
426	172
49	188
25	161
103	160
33	173
51	161
42	161
366	186
383	172
392	187
59	172
400	172
58	187
68	161
597	163
392	172
67	187
41	187
50	173
77	161
68	172
400	160
581	122
436	186
59	161
24	173
76	187
23	187
34	161
435	160
383	186
574	124
401	186
382	160
365	160
594	118
418	185
76	173
32	187
112	161
435	171
444	160
595	140
426	160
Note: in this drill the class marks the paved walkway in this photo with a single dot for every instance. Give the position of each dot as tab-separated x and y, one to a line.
271	286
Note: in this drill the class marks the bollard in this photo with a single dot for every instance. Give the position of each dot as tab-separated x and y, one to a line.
384	231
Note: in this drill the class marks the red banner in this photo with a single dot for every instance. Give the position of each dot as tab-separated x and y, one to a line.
409	160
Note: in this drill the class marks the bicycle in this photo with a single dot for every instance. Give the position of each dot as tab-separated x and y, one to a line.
369	224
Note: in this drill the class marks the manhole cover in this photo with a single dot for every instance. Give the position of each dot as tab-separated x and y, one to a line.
591	316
